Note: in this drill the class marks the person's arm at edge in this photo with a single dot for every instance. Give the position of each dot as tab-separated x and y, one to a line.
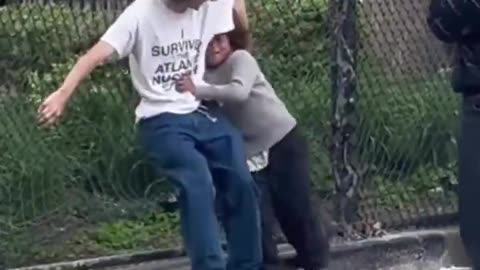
446	20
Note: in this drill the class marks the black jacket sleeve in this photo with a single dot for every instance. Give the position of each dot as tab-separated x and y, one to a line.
447	19
455	20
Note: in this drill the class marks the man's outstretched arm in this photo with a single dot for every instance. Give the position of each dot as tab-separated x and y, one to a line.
96	56
117	41
54	105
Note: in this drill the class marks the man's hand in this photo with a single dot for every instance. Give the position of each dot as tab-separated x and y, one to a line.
53	107
185	84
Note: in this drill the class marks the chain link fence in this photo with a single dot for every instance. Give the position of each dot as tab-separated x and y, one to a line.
365	79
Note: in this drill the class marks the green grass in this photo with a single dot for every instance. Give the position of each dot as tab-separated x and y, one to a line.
80	238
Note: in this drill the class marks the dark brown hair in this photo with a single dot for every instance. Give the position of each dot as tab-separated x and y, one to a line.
240	37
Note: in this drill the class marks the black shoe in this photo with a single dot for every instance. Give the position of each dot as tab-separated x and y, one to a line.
296	263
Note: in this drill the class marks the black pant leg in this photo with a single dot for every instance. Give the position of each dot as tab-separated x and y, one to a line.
289	179
269	244
469	178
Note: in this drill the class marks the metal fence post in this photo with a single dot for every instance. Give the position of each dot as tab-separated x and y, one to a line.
344	120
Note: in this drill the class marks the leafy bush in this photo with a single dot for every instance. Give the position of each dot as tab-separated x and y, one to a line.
139	234
34	36
407	123
292	36
46	33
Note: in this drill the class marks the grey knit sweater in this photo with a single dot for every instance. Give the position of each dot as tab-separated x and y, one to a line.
249	101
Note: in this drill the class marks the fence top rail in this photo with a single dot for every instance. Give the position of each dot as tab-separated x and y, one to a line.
104	5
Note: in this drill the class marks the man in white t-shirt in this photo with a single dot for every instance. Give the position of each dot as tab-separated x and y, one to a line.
198	149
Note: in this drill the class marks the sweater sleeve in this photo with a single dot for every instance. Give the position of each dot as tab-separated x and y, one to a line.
245	70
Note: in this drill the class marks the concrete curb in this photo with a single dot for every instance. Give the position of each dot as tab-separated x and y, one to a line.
417	246
110	261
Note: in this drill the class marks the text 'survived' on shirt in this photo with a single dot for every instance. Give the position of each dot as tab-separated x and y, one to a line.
163	45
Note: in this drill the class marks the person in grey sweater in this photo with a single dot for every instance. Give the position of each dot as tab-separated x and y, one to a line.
276	149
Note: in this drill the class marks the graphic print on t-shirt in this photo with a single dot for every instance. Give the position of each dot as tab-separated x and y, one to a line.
175	60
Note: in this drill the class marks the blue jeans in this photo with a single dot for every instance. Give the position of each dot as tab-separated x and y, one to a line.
202	154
